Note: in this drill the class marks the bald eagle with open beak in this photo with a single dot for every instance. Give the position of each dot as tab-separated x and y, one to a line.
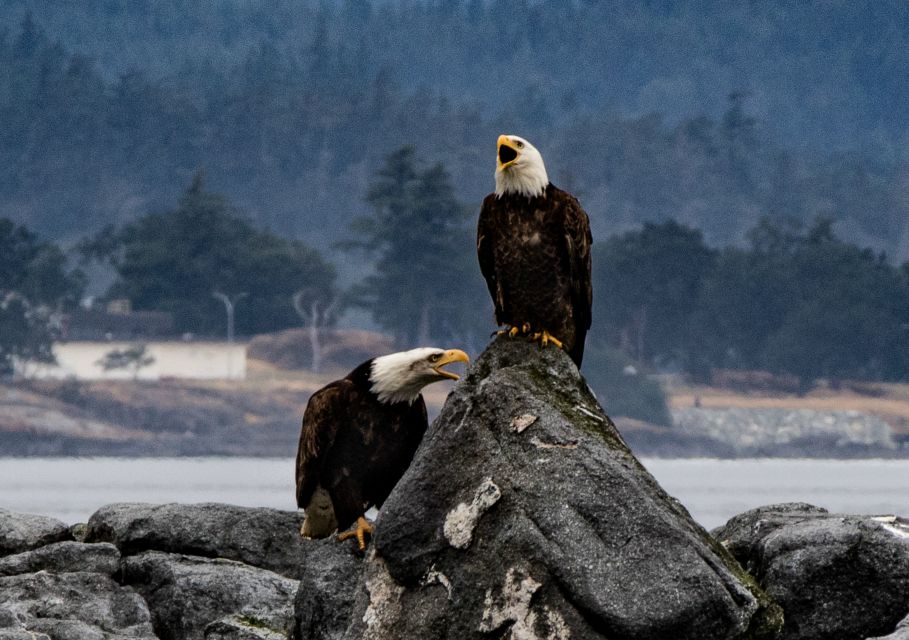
359	436
533	242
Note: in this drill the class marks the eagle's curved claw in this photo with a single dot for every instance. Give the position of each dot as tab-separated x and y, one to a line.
363	527
544	338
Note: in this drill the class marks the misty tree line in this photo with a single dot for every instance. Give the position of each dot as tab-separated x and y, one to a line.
292	131
795	299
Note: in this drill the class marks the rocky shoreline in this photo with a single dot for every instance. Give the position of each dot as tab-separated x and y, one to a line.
539	524
221	572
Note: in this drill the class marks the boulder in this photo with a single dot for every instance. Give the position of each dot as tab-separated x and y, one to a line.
329	583
23	531
64	557
265	538
10	634
186	594
837	577
524	515
900	633
72	606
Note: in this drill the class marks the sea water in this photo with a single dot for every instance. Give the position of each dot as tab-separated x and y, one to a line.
71	489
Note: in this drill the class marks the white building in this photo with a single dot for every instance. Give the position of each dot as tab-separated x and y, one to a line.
197	360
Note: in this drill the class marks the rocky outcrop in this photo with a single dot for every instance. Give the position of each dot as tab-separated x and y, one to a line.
64	557
837	577
24	531
187	594
64	606
187	572
900	633
265	538
524	515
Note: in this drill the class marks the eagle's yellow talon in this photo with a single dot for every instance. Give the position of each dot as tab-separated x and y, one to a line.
363	527
513	332
525	328
545	338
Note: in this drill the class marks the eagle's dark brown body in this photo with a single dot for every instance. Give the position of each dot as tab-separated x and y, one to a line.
535	256
355	447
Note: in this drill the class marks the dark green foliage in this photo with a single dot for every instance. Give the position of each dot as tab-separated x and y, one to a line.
621	388
34	285
175	261
35	269
426	285
647	283
293	105
25	333
797	301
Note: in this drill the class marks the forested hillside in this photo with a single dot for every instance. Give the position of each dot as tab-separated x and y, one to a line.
714	114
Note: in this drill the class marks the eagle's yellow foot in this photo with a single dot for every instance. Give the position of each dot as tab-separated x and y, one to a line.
544	338
515	330
363	527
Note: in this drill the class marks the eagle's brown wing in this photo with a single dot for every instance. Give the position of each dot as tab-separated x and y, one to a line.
485	252
577	243
320	425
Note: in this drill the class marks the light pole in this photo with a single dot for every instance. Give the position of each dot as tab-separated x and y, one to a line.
229	304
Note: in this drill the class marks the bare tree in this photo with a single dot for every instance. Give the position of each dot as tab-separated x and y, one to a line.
317	312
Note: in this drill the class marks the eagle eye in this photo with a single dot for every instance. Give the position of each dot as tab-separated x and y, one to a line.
435	357
519	144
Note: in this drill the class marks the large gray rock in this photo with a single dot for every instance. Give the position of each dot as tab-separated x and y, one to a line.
329	584
186	594
265	538
23	531
900	633
837	577
18	634
524	515
64	557
72	606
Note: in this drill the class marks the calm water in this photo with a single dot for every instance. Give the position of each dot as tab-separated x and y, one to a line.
713	490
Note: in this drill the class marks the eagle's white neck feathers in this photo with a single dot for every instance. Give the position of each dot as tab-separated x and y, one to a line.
395	378
526	175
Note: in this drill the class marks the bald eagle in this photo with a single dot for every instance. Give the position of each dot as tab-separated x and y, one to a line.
359	435
533	242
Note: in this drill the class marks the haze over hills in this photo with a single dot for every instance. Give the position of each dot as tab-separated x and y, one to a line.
711	113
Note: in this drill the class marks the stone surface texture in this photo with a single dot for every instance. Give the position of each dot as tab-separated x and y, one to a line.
187	593
265	538
64	557
25	531
72	606
553	531
837	577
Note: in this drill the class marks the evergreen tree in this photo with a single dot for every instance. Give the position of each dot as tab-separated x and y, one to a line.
417	234
175	261
34	286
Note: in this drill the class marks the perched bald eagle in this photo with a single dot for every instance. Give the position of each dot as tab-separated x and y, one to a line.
359	435
533	242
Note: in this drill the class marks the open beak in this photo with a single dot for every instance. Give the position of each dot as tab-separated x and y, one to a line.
507	152
452	355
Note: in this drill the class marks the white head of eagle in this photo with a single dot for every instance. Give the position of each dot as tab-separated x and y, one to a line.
399	377
519	168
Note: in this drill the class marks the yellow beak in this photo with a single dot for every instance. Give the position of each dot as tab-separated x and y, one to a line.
452	355
510	154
